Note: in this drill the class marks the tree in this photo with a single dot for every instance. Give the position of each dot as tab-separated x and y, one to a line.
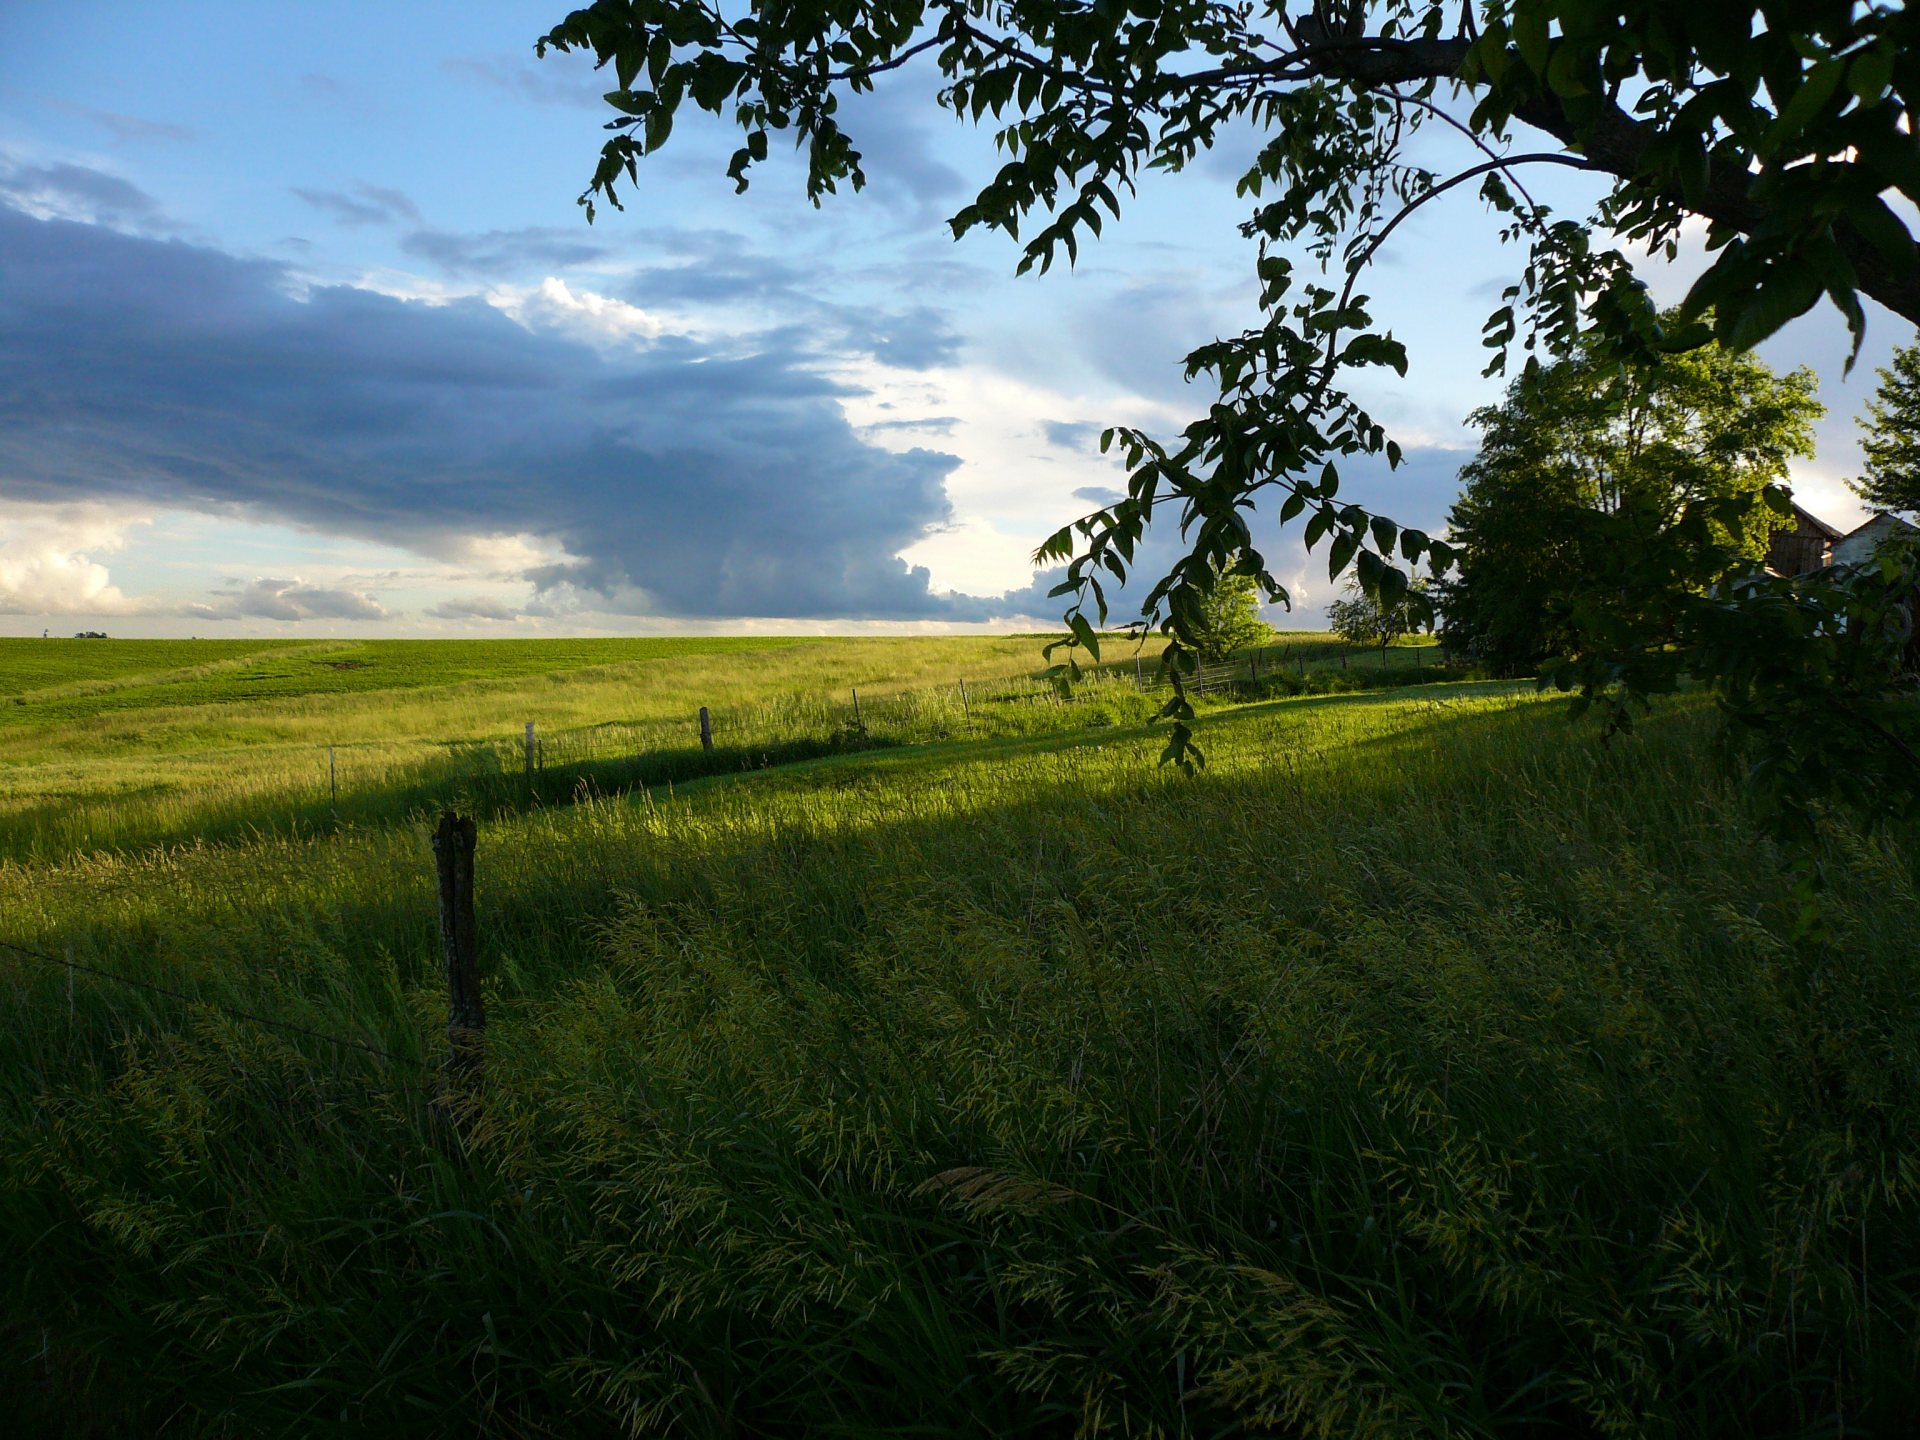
1892	443
1360	618
1229	617
1783	125
1587	455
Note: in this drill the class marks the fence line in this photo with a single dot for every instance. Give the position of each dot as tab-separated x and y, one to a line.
657	750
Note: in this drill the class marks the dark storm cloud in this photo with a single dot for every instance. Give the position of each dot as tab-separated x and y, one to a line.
916	339
364	205
77	191
500	254
681	482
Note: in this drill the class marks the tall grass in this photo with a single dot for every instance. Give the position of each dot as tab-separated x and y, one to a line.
160	772
1423	1068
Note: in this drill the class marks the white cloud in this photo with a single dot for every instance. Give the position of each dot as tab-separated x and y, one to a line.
582	314
47	564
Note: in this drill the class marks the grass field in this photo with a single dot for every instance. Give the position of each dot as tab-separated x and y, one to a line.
210	741
1421	1068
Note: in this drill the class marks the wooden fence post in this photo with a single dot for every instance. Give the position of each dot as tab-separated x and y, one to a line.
529	749
453	844
858	723
706	730
333	779
1254	660
1139	676
965	705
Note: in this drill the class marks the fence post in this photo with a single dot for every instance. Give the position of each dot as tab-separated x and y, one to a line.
1343	657
529	749
965	706
706	730
453	844
333	780
1139	676
1254	660
858	723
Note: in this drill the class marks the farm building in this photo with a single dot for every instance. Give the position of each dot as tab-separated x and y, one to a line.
1857	546
1802	547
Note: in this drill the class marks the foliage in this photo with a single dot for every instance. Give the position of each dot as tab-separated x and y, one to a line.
1781	124
903	1096
1892	439
1586	455
1363	620
1229	617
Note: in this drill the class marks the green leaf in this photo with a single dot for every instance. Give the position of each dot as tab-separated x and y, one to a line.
1344	544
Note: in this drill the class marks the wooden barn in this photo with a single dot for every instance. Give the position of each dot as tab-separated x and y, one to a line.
1802	547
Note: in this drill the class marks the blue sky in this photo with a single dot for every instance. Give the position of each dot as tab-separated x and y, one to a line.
302	332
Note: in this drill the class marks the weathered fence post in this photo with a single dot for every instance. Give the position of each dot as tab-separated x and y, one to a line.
858	723
529	749
965	706
333	779
1139	676
1253	659
1343	657
453	844
706	730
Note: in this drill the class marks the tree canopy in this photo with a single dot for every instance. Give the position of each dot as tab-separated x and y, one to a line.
1892	441
1360	618
1784	125
1229	618
1587	456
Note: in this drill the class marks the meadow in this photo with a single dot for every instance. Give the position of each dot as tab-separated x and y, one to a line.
1421	1067
206	740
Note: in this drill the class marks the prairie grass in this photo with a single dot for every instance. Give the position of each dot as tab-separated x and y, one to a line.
1422	1068
280	741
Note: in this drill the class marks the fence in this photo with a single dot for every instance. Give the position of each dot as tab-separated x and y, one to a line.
235	790
455	1084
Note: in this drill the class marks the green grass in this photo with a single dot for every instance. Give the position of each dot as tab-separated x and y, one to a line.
323	734
1421	1068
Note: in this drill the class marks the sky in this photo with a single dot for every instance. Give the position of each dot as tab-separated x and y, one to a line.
303	333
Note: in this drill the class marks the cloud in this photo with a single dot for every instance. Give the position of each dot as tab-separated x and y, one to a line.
1101	495
366	205
558	79
499	253
78	192
127	129
668	477
916	339
265	599
48	564
932	425
1072	434
475	607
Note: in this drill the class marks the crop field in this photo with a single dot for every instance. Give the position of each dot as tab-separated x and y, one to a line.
1420	1067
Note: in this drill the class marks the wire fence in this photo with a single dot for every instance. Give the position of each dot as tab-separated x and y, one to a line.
858	718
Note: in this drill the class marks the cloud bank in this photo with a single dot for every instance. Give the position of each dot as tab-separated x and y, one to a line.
674	477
